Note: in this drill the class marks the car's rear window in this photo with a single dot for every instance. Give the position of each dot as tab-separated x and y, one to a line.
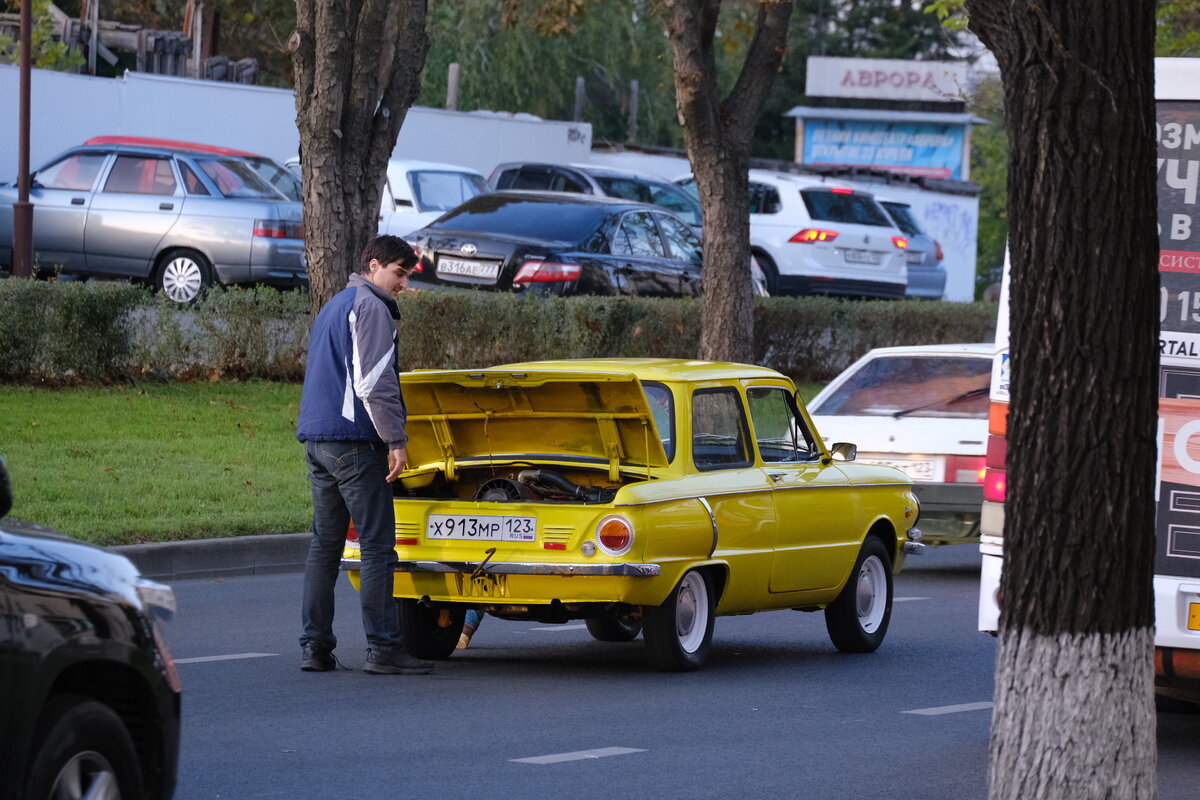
235	178
905	221
849	207
531	217
914	386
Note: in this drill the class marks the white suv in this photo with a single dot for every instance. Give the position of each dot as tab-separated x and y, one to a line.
817	238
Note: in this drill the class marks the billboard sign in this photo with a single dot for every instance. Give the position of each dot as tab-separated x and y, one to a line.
887	79
911	148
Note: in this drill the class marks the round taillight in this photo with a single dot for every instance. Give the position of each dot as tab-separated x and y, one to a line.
614	534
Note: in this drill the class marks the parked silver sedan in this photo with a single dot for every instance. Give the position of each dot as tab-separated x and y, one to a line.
179	217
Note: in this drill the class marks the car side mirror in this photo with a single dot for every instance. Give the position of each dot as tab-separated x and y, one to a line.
843	451
6	497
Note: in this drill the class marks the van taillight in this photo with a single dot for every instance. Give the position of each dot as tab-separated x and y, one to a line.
997	451
965	469
995	485
900	242
937	253
352	533
998	419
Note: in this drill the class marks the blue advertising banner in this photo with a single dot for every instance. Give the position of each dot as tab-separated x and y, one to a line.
911	148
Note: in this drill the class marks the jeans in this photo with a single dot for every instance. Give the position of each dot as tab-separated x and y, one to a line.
349	482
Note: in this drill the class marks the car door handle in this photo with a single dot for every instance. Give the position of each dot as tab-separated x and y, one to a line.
165	206
776	476
77	201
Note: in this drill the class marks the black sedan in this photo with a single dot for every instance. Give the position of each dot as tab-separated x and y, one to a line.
561	243
89	696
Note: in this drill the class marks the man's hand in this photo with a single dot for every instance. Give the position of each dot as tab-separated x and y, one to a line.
398	461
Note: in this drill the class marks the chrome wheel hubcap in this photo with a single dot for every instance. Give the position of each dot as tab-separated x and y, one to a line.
87	776
871	597
181	279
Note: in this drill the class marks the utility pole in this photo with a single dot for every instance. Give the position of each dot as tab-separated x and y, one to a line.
22	266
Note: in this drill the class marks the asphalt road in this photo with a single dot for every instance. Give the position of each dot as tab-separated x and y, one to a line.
539	711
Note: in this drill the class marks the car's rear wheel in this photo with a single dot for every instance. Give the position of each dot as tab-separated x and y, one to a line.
678	633
769	270
182	275
858	619
614	629
83	750
430	632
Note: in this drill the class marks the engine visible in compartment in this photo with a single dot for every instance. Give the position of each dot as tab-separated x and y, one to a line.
516	485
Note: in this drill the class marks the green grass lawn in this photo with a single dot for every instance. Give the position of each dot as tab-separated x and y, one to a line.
157	462
118	465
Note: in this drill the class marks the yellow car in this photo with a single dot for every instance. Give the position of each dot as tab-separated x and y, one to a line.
642	496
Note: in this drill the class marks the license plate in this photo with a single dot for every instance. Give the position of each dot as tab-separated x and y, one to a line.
470	269
483	527
917	470
862	256
1194	616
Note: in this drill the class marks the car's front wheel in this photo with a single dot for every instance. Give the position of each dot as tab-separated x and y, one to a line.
430	632
182	275
679	632
83	750
614	629
858	619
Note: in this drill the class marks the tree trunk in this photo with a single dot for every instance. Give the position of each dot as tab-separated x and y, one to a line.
1074	711
358	66
718	134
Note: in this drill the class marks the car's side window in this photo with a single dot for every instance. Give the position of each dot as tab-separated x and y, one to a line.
530	178
564	181
191	180
643	235
672	199
764	199
141	175
778	428
76	173
684	244
718	430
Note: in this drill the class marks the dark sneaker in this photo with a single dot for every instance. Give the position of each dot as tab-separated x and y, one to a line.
316	658
380	662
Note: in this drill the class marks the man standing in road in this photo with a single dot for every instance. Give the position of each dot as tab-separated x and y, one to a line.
352	421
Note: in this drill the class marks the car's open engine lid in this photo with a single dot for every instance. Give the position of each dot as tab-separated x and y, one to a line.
502	416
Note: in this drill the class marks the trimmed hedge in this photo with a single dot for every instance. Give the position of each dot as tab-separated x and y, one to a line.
99	332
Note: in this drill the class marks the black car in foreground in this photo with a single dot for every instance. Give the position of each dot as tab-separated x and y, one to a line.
561	243
89	695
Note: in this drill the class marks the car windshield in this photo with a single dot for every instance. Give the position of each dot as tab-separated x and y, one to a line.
437	190
905	221
236	178
913	386
527	217
844	206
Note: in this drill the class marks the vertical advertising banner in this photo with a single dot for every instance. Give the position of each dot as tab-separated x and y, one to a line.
1178	522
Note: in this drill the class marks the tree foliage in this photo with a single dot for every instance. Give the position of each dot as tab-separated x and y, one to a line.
45	52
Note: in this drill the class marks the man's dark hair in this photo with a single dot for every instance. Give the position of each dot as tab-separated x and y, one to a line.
387	249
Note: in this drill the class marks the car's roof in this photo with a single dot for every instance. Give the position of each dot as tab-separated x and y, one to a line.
440	166
570	198
167	144
973	349
656	369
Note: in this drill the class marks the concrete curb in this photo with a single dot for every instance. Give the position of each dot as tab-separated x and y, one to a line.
213	558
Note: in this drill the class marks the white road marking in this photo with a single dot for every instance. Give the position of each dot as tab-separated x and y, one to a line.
554	628
907	599
230	657
578	755
935	711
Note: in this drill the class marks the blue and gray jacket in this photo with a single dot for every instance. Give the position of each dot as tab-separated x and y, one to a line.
351	384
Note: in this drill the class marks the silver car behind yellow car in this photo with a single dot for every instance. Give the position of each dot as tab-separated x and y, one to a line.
178	215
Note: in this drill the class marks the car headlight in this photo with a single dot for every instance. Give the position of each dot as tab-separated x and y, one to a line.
614	534
156	597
